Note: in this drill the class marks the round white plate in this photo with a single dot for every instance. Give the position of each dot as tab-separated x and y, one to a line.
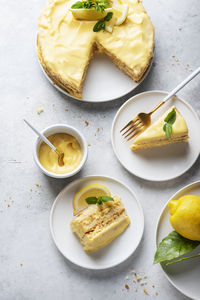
104	81
117	251
161	163
185	275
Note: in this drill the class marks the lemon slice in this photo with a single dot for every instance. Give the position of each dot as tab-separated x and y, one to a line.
89	14
92	190
120	12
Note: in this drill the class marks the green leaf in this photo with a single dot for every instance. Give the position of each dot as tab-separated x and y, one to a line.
106	198
171	117
108	17
168	130
76	5
181	259
173	246
91	200
99	25
99	201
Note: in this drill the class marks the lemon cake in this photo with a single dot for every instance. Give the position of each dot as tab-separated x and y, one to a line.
99	225
66	44
155	135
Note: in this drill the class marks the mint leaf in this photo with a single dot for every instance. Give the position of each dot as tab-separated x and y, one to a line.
102	23
168	130
99	25
76	5
169	121
91	200
108	17
106	198
173	246
171	117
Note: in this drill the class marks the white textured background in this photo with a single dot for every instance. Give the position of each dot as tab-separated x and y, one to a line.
24	226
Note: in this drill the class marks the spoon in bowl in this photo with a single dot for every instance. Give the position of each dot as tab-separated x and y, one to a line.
45	140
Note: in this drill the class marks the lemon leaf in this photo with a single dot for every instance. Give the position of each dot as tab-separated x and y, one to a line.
173	246
181	259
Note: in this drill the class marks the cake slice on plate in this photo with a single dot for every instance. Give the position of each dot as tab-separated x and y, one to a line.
98	225
169	128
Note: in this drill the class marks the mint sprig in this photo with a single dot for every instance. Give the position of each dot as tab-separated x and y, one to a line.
99	5
101	24
169	121
99	200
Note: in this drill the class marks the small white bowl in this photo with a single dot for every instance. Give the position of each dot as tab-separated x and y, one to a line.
61	128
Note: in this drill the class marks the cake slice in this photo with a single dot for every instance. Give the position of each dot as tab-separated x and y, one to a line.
155	136
99	225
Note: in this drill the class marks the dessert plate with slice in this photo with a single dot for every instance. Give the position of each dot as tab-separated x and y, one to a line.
151	161
96	236
184	275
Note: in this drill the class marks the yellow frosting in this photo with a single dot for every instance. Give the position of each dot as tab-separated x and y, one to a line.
66	43
155	132
66	144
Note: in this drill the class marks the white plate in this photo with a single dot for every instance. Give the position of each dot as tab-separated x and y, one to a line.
185	276
162	163
104	81
111	255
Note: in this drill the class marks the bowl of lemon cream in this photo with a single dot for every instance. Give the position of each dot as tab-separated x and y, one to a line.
66	139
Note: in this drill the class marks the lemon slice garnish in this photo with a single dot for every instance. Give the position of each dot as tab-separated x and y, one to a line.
120	12
92	190
89	14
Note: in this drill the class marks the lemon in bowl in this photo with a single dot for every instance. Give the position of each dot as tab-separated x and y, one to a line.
185	216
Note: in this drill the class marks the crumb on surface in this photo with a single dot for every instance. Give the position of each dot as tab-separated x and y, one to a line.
21	265
86	123
145	291
153	286
127	287
37	184
8	204
138	277
66	108
156	293
89	144
133	271
127	278
40	110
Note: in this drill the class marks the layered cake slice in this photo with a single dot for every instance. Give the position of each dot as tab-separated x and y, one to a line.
160	134
99	225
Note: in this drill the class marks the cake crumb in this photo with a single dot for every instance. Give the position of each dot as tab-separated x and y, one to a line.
21	265
127	278
37	184
173	55
133	271
142	283
86	123
153	286
66	108
89	144
138	277
127	287
8	204
31	190
156	293
145	276
145	291
40	110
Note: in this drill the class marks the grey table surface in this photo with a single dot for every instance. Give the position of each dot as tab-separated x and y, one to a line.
31	266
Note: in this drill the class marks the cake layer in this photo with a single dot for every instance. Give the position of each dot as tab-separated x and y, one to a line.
66	45
99	225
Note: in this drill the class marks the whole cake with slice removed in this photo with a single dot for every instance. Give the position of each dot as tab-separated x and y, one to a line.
66	41
99	225
169	128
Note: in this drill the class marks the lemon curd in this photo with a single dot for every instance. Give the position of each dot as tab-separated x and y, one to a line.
66	144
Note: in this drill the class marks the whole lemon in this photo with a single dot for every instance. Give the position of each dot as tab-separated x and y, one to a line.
185	216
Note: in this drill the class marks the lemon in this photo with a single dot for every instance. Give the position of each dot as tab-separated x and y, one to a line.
120	12
89	14
92	190
185	216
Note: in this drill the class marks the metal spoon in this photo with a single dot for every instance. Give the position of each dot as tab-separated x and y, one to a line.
60	154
